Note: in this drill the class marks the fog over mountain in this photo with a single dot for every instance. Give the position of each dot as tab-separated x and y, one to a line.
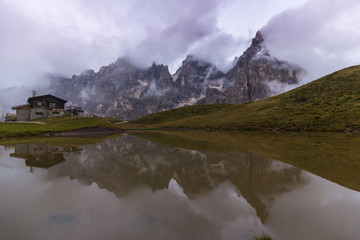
124	90
67	37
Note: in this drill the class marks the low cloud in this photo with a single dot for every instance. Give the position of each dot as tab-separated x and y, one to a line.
65	36
321	35
220	49
12	96
191	22
154	91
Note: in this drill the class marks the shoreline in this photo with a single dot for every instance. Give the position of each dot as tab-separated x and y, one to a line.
101	131
98	131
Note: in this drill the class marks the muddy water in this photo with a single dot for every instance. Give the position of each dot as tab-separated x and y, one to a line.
130	188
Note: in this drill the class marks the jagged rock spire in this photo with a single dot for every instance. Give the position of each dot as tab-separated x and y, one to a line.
258	38
256	46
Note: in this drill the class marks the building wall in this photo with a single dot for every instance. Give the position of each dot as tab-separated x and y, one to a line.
33	149
37	113
46	102
57	113
23	114
21	149
39	104
56	105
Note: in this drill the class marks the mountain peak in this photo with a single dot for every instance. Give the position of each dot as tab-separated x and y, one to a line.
257	46
258	38
189	58
123	61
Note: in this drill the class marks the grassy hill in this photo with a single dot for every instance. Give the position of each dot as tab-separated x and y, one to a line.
331	103
52	125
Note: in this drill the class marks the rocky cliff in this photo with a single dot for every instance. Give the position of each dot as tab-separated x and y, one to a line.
126	91
256	75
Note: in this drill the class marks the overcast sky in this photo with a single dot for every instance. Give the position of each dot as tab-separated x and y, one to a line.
68	36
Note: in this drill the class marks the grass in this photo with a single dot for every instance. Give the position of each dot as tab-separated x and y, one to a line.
58	124
55	141
262	236
334	156
331	103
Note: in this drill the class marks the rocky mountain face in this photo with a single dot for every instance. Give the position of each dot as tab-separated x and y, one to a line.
127	92
254	76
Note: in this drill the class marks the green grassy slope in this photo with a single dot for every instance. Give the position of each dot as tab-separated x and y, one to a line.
57	124
331	103
56	141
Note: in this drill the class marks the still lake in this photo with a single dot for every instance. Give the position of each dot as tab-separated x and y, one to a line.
129	187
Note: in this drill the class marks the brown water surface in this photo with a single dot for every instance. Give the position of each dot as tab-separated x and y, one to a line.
131	188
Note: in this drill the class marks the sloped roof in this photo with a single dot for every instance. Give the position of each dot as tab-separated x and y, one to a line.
20	106
46	96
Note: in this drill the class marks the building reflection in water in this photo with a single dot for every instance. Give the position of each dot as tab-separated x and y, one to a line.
40	155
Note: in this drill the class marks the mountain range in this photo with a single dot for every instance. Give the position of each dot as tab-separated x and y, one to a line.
330	103
125	91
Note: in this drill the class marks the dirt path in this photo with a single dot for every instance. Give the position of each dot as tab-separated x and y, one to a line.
118	123
26	122
87	132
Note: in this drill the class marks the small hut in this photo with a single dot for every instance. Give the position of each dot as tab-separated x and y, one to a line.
44	106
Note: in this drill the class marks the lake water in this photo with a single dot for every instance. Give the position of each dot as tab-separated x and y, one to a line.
131	188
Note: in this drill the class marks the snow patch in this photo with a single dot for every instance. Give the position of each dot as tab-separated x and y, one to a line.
175	76
143	83
99	107
218	84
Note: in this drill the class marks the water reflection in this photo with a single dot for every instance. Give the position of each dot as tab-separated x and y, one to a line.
130	188
40	155
128	162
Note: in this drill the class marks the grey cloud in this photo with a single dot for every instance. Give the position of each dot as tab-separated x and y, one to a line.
319	36
30	47
8	98
66	37
220	49
191	22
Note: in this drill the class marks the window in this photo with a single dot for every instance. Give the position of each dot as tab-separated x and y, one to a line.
39	104
52	105
39	113
55	112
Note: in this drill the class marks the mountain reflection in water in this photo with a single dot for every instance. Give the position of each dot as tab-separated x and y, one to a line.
154	191
128	162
